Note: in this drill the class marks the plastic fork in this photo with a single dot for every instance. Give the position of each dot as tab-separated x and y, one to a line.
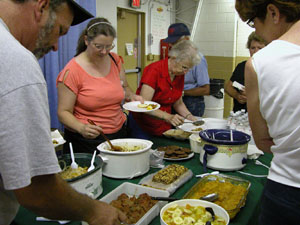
92	162
74	165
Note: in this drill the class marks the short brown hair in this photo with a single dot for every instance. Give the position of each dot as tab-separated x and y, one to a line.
254	37
248	9
94	28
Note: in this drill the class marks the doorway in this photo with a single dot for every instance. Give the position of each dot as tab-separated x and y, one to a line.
131	43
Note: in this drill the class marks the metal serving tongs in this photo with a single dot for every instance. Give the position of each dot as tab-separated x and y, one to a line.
113	147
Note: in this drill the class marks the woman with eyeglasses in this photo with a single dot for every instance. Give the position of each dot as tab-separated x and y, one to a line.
254	44
163	82
272	79
91	89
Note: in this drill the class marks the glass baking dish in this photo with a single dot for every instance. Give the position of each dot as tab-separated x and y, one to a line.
232	191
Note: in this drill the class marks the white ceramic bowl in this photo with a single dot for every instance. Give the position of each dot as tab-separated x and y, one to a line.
195	143
126	165
219	211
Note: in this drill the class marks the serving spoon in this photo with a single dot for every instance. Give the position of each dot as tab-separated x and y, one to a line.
113	147
196	123
210	198
213	216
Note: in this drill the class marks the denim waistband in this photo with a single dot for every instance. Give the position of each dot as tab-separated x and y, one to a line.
194	97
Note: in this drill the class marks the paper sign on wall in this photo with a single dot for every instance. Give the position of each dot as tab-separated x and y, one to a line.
129	48
160	21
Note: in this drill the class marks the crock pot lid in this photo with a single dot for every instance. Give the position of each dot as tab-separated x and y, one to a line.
222	136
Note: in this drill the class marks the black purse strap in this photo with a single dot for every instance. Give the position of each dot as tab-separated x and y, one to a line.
110	55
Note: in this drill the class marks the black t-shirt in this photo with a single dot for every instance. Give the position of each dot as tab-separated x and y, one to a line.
239	76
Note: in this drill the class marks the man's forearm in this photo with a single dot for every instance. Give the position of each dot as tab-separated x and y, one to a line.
52	197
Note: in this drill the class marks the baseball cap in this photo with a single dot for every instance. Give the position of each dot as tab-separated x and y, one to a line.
80	14
176	31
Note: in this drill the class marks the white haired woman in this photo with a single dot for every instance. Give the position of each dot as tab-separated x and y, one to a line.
163	82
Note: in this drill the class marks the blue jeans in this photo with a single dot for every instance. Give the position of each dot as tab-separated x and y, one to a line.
280	205
195	104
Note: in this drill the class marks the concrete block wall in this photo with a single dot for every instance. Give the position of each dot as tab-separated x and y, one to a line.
243	31
221	36
215	32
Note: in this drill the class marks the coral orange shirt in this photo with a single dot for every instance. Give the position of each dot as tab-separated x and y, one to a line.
97	98
167	92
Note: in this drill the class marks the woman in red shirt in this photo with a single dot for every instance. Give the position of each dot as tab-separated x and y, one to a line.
163	82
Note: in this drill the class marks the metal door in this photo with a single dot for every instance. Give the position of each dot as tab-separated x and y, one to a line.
131	46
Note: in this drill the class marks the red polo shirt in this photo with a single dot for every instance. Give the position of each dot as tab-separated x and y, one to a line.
166	93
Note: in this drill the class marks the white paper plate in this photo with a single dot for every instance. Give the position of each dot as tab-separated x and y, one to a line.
189	127
180	159
56	137
133	106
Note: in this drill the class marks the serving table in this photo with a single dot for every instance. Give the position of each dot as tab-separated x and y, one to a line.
247	216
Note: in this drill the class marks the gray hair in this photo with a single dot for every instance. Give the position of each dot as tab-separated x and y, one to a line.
185	50
54	4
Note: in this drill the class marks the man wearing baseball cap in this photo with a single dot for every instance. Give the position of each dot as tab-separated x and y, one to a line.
196	80
28	163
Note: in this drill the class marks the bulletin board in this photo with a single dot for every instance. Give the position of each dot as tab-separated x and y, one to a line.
160	21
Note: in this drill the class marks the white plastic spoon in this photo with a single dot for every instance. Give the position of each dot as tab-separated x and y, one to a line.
92	162
74	165
206	174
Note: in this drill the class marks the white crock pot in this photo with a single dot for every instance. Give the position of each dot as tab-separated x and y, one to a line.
89	183
223	149
126	165
195	143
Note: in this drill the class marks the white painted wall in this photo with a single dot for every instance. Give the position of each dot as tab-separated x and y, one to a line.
243	31
108	9
215	33
220	32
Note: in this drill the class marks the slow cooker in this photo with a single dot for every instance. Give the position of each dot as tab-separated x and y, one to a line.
223	149
126	165
89	183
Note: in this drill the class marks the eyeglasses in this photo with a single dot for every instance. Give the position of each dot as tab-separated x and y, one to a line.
106	47
250	22
185	68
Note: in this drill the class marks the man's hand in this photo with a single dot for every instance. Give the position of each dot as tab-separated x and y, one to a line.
105	214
